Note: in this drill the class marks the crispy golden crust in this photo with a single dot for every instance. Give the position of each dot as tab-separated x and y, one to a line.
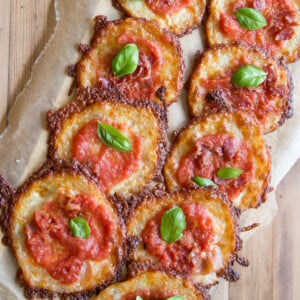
6	193
243	127
290	51
215	62
37	190
226	229
180	23
146	119
155	281
105	39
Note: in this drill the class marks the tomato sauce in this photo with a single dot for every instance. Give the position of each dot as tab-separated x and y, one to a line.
220	93
281	21
185	255
111	166
144	81
212	152
149	295
167	7
53	246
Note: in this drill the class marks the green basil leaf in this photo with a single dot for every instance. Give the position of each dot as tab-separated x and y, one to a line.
249	76
250	18
229	173
138	298
203	181
80	228
113	138
172	224
126	61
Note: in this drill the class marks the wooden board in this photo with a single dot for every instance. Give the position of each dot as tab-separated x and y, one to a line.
25	27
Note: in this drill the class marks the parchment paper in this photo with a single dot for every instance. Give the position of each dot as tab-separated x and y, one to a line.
23	144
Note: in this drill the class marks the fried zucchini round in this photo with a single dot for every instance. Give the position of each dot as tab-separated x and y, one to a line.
224	140
281	35
73	135
180	16
158	284
211	88
159	73
207	246
53	260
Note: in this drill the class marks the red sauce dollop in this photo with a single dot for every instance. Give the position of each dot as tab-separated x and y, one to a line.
144	81
111	166
149	295
220	93
213	152
185	254
167	7
281	20
52	244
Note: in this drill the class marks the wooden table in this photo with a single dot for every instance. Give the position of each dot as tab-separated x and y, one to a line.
25	27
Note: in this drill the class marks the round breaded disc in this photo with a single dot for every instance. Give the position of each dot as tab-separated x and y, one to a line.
239	125
215	62
180	22
289	50
226	241
152	282
143	118
41	188
105	42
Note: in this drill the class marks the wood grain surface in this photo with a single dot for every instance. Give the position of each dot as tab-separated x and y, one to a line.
274	273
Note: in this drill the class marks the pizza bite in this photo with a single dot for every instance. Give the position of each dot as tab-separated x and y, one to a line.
180	16
224	150
136	56
191	232
216	81
74	135
67	237
152	285
270	24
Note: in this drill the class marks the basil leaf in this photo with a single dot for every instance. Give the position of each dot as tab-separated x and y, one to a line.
113	138
172	224
138	298
203	181
126	61
80	228
249	76
250	18
229	173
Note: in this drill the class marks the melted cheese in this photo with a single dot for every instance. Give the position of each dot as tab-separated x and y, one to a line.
215	62
170	73
39	192
141	121
220	250
179	22
239	125
290	49
152	281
